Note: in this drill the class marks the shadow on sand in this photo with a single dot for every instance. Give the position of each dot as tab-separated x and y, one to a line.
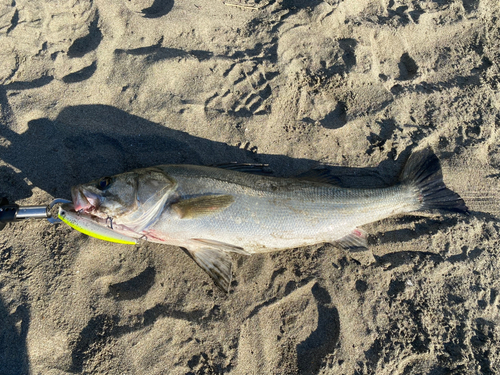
13	331
90	141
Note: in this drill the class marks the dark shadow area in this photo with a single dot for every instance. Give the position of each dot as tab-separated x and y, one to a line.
135	287
90	141
394	260
157	53
377	141
348	45
470	5
396	287
346	60
408	68
13	183
459	81
466	254
421	226
39	82
323	340
91	340
158	9
300	4
361	286
90	42
482	344
13	331
259	53
416	12
337	118
13	21
81	75
396	17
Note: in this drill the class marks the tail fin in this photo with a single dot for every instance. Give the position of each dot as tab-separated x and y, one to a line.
423	171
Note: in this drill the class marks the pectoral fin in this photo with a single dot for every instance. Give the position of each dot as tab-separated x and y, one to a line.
355	241
200	206
216	263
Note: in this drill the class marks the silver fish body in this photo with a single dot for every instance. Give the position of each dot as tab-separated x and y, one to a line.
212	211
270	213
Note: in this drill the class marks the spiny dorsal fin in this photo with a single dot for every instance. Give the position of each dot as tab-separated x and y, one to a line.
200	206
216	263
259	169
321	175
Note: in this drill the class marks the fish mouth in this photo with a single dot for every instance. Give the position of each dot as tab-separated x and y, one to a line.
84	201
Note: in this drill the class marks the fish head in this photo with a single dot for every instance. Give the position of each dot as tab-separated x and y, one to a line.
124	196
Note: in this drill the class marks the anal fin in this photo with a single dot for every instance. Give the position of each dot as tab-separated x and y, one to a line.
355	241
216	263
222	246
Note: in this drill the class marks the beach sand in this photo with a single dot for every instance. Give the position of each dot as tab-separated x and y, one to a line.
94	88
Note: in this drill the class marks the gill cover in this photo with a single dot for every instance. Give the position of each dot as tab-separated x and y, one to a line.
135	199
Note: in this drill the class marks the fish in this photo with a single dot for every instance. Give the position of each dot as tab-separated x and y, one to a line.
214	211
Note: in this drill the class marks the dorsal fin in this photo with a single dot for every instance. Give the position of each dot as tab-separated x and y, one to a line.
260	169
319	175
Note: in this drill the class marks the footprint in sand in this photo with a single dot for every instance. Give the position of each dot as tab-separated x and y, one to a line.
292	335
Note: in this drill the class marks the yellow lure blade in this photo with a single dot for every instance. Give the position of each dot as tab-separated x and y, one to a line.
91	228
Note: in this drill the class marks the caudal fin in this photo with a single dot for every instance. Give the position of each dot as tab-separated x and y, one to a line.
423	171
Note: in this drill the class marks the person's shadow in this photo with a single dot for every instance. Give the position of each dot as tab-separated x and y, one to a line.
90	141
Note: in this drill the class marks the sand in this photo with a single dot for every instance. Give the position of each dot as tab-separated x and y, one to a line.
94	88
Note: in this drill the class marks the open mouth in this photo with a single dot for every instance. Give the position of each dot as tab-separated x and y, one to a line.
84	201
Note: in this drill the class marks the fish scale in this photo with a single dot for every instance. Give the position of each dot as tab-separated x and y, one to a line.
333	207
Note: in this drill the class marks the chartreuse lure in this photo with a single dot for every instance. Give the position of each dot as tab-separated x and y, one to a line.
85	224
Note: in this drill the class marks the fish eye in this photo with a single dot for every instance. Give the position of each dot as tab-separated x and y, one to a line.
103	183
